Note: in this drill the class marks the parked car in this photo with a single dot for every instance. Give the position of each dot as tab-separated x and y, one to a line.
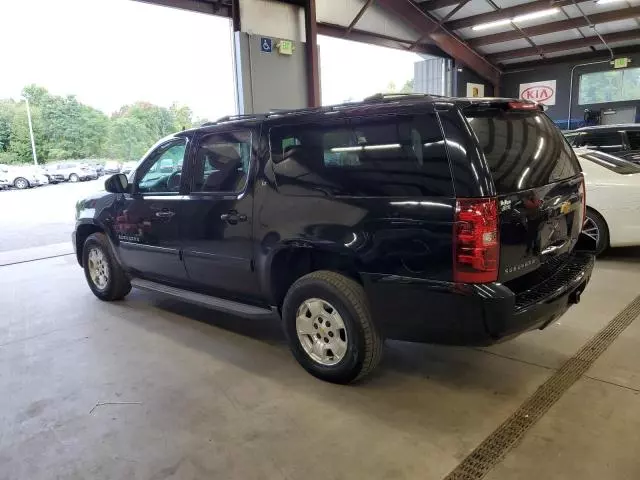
127	167
111	167
620	140
408	217
22	176
71	172
613	199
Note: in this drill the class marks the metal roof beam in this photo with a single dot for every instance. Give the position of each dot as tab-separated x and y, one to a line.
412	15
507	13
432	5
545	28
587	56
372	38
213	7
565	45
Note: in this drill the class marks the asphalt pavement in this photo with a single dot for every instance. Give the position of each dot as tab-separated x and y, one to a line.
41	216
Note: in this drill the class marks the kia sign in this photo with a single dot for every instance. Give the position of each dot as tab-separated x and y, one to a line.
541	92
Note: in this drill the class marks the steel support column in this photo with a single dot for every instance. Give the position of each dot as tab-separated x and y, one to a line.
311	39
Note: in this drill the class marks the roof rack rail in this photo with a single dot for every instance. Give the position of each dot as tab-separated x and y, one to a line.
229	118
393	96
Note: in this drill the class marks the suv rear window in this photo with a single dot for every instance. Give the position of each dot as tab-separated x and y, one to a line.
523	149
395	156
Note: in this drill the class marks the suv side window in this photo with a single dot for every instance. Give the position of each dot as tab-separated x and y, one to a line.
222	162
391	156
634	139
163	173
605	141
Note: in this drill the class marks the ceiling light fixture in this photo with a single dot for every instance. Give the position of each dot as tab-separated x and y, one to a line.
601	2
520	18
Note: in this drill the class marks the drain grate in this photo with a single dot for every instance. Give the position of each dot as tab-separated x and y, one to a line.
493	449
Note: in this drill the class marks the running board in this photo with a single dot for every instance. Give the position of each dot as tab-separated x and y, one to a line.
215	303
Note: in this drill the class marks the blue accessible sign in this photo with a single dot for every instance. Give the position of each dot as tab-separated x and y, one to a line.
266	45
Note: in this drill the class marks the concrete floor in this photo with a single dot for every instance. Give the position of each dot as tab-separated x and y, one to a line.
152	389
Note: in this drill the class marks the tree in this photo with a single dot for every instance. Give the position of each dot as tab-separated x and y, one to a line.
20	139
182	116
64	128
407	87
129	139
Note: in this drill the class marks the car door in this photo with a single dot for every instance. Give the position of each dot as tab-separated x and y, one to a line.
218	212
147	221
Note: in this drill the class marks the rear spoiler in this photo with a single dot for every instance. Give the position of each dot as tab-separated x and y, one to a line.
480	104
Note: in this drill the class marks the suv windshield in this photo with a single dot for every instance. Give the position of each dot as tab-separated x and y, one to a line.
523	149
611	162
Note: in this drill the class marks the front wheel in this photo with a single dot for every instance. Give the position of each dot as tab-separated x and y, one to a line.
74	178
104	274
21	183
595	227
329	327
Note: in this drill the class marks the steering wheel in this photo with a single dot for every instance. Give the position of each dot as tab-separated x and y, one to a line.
173	180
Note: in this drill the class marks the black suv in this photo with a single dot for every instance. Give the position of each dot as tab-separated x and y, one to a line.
408	217
620	140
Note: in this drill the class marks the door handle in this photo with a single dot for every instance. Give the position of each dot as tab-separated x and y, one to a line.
165	214
232	217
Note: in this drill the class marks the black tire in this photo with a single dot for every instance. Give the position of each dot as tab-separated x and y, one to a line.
117	285
603	230
74	178
21	183
364	340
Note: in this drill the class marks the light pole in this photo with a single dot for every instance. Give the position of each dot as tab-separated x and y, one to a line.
33	143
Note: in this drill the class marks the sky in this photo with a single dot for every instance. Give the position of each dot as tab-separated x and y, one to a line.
110	53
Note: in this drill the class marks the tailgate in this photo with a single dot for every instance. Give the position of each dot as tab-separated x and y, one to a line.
538	225
539	184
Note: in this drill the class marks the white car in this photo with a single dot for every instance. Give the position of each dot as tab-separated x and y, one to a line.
613	199
22	177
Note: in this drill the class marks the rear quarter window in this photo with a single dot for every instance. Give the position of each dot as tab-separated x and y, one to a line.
523	149
393	156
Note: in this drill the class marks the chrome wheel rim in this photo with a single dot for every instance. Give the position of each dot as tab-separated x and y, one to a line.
74	178
98	268
21	184
590	229
321	331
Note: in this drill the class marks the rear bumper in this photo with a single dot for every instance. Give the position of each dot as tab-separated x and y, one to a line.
463	314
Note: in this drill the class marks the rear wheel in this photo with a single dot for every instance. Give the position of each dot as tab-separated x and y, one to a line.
329	327
21	183
74	178
596	227
105	276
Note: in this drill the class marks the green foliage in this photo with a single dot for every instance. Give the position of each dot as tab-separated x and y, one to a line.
65	128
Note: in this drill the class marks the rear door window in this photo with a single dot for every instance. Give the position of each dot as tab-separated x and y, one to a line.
634	139
605	141
394	156
523	149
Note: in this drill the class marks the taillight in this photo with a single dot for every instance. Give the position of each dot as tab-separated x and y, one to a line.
583	196
476	247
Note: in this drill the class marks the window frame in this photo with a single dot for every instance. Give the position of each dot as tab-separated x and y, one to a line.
628	134
584	138
254	138
151	158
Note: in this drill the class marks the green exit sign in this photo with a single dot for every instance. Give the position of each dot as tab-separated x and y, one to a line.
285	47
621	62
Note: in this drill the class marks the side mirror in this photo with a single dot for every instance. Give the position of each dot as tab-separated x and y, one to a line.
117	183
